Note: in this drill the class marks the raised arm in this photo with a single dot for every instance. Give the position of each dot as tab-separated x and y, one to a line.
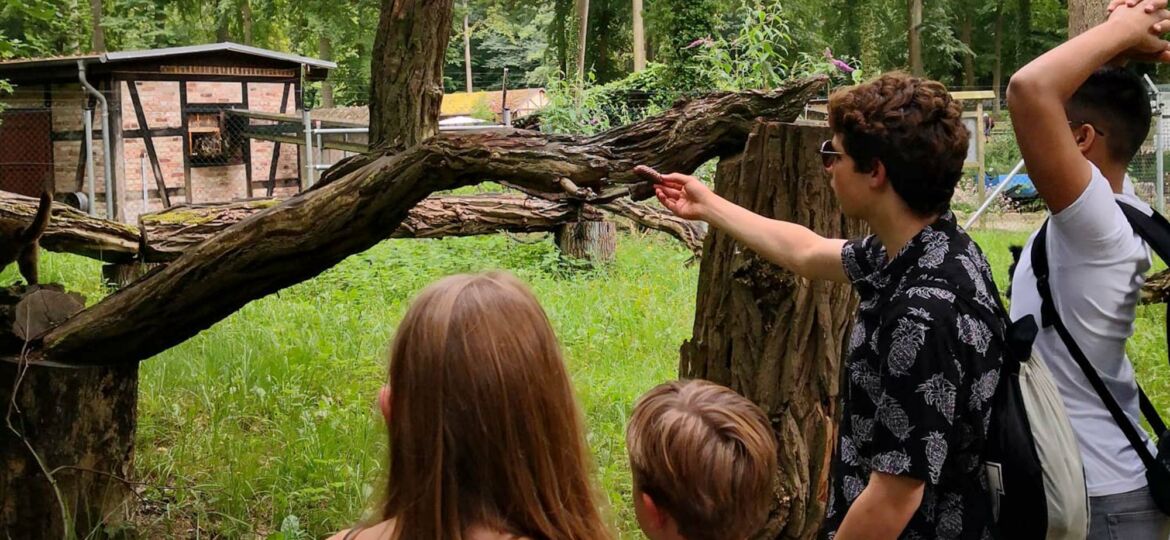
792	246
1039	91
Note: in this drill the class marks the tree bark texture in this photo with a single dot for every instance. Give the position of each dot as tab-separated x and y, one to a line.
915	38
1157	289
997	73
582	36
594	241
773	336
409	51
73	231
325	52
639	37
1085	14
467	46
361	205
168	234
80	424
99	32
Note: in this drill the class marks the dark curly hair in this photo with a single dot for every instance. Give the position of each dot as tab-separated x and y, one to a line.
913	127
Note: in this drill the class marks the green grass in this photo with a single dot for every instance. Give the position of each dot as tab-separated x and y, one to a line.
264	424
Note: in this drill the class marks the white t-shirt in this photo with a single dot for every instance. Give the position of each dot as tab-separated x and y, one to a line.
1097	268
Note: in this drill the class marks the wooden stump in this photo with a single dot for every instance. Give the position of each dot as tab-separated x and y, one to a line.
590	240
75	424
119	275
770	335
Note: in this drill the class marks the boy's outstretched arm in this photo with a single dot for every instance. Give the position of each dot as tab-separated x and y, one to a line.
1038	92
792	246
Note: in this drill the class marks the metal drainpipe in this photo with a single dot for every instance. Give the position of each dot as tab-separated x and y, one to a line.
107	161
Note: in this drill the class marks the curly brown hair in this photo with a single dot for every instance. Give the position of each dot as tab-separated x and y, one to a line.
914	127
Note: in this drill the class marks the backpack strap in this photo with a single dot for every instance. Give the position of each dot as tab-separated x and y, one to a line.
1155	230
1050	318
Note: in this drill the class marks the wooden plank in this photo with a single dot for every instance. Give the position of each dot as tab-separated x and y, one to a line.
299	141
276	145
247	146
973	94
188	192
148	141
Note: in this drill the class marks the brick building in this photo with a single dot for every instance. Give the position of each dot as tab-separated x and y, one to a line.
171	135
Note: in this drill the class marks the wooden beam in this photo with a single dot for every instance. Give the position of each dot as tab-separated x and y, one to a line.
276	145
148	141
73	231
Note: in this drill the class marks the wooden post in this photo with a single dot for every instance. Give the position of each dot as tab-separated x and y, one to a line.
980	150
66	435
772	336
590	240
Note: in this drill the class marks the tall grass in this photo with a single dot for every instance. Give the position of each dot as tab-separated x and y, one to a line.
264	425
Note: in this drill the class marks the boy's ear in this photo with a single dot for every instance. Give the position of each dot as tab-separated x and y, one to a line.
877	177
654	514
384	402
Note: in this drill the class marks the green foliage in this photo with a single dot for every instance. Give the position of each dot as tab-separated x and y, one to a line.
761	56
596	108
676	25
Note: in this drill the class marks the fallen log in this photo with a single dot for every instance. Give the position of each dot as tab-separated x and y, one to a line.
168	234
72	231
690	233
1157	288
358	207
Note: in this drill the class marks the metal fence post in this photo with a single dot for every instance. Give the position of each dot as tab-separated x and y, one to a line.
309	168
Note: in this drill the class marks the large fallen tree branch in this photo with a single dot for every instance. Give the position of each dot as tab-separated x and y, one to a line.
360	206
167	235
72	231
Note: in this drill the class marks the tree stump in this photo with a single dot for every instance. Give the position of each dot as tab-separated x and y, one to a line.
75	424
594	241
119	275
772	336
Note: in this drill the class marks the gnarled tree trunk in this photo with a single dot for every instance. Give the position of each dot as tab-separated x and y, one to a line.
773	336
407	87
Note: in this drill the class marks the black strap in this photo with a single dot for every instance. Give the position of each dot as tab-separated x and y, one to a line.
1050	317
1155	230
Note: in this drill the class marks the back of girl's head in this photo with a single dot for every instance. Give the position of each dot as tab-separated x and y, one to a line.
484	429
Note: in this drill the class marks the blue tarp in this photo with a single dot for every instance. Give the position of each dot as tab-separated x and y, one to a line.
1020	187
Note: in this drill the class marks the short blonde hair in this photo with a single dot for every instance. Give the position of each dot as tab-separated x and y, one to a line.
706	455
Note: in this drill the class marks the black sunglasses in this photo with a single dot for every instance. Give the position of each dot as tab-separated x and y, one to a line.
829	156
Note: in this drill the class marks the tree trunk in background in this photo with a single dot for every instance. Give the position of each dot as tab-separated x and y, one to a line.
222	33
639	38
467	46
770	335
997	73
1085	14
407	87
325	52
870	48
246	20
1023	31
915	30
582	35
589	240
965	35
562	13
99	33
